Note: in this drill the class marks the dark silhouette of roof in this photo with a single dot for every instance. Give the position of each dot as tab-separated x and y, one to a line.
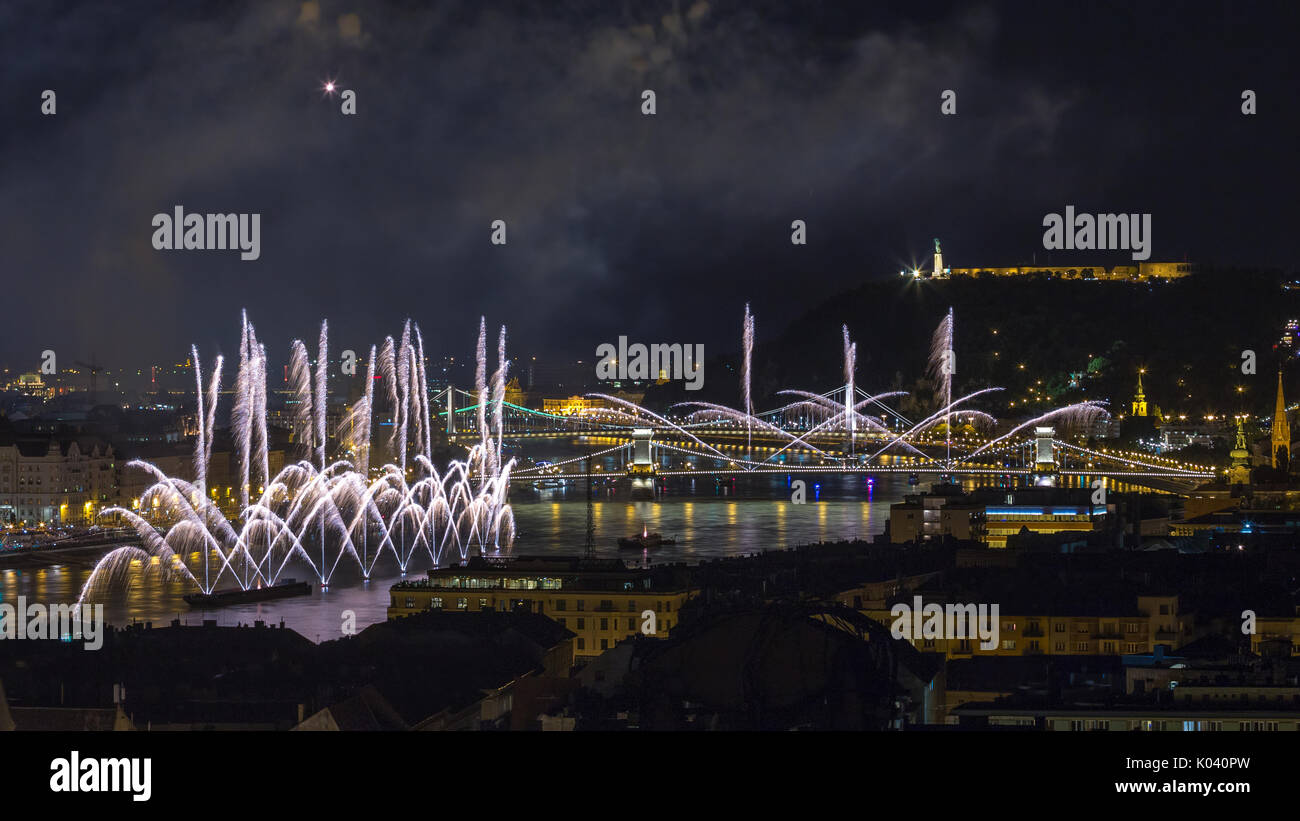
367	711
64	719
417	667
785	664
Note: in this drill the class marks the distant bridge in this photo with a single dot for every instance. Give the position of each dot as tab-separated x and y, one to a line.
714	447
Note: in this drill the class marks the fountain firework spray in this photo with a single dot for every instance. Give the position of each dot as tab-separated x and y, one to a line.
746	364
335	505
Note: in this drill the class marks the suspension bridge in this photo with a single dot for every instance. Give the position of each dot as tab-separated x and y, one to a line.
794	439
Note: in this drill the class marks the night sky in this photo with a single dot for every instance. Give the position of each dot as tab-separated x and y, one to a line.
658	227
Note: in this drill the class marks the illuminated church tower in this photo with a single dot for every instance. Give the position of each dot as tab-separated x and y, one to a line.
1140	399
1239	472
1281	430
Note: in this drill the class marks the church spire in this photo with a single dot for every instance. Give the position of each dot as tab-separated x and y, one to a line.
1281	429
1140	399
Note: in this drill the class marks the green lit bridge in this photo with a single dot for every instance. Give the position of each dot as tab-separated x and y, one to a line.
785	442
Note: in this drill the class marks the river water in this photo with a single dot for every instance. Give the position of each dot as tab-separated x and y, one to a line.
709	518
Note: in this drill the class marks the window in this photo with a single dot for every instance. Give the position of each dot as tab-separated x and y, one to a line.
482	604
1008	645
582	624
631	624
604	624
582	643
604	644
410	601
560	605
1081	646
1060	627
435	603
462	604
1164	610
631	605
581	605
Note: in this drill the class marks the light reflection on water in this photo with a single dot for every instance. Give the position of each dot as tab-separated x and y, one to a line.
709	519
550	521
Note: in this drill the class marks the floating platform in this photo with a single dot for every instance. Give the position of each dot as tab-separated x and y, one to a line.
645	541
222	598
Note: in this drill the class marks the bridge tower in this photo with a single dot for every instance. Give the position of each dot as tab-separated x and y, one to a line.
643	462
1044	457
451	408
642	467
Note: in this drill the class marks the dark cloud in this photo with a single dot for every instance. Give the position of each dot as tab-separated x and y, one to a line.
657	227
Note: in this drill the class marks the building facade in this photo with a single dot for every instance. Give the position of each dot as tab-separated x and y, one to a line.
601	601
55	482
1142	272
1155	620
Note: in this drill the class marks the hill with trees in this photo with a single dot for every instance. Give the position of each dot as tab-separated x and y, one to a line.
1047	341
